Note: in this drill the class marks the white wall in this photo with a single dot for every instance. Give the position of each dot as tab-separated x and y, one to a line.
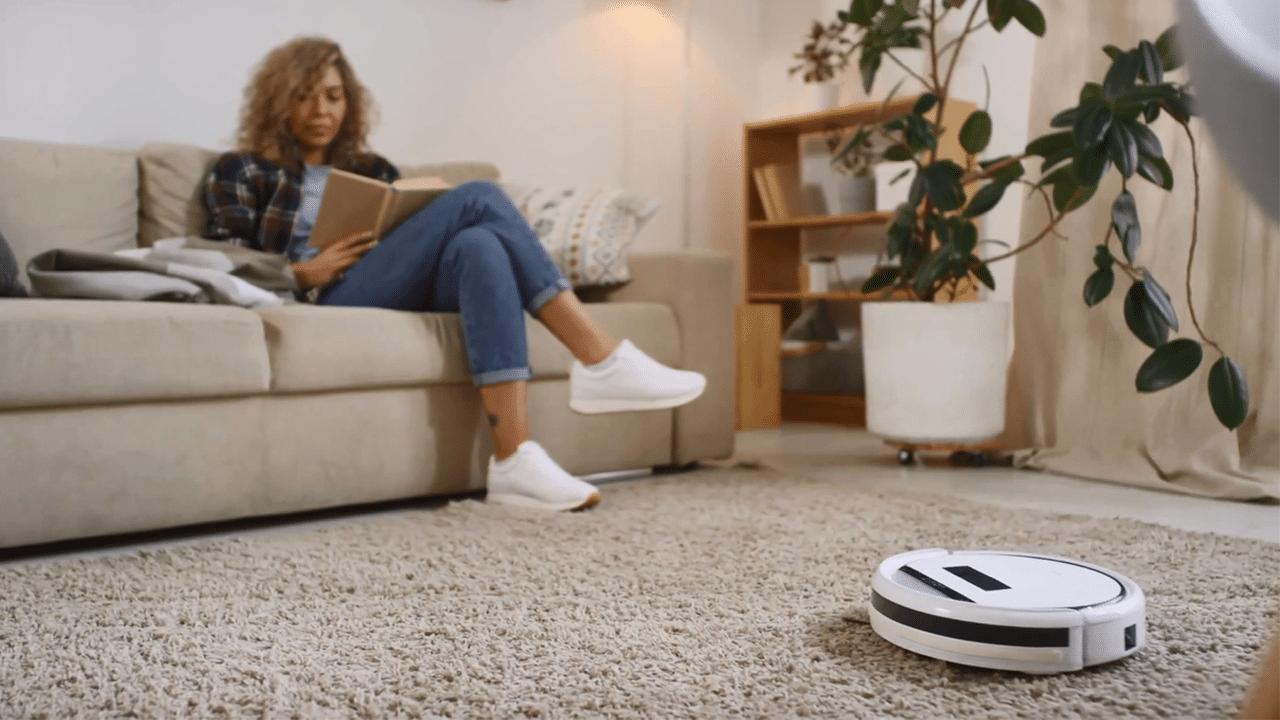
649	95
555	92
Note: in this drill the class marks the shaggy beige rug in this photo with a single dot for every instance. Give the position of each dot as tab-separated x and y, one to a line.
712	594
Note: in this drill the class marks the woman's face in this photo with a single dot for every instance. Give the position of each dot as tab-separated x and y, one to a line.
316	115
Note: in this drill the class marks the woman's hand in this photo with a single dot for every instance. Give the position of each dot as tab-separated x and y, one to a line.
330	263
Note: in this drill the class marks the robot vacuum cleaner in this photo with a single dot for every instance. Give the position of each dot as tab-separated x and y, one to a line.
1013	611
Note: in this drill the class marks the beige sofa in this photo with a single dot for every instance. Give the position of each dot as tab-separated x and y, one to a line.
118	417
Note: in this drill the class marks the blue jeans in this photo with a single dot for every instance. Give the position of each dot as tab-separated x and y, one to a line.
469	251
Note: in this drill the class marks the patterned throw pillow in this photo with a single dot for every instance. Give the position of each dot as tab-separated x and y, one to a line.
9	271
586	232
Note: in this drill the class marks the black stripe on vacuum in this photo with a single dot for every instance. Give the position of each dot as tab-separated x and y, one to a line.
933	583
971	631
977	578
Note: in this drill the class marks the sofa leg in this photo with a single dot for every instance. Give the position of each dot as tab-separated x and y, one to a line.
675	469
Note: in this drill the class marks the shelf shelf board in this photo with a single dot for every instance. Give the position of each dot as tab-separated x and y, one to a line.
817	221
847	410
833	295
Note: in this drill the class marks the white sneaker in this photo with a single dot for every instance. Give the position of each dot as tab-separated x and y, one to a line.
530	478
631	380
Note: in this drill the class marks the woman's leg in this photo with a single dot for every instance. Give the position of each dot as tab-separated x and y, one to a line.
507	407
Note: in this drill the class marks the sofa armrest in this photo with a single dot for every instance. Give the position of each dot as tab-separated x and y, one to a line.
698	287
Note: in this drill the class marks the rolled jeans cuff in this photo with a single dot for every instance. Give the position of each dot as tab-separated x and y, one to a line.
493	377
545	296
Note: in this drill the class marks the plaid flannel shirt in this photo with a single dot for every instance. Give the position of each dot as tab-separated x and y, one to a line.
253	202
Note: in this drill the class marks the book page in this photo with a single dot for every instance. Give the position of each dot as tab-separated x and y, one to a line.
421	183
351	204
405	202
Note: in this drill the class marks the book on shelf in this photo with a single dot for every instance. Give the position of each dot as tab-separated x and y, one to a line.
354	203
767	201
783	184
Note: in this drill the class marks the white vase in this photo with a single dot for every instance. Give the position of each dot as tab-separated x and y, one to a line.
857	194
935	372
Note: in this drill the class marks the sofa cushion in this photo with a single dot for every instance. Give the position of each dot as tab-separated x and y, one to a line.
172	187
67	196
455	173
80	352
339	348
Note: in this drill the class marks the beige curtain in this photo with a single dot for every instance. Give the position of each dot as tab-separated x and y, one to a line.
1073	408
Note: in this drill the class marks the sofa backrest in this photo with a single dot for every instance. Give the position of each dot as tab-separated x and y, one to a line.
172	183
89	198
66	196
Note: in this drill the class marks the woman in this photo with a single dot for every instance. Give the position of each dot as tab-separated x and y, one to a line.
469	251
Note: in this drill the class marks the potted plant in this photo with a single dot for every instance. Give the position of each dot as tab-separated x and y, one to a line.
935	371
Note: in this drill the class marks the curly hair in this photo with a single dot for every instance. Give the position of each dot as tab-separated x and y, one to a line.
285	73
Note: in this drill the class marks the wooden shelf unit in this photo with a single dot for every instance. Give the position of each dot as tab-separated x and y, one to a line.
773	252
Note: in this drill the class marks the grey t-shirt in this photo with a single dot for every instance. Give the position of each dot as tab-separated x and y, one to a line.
313	182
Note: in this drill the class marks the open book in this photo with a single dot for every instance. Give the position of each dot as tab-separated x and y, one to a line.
354	203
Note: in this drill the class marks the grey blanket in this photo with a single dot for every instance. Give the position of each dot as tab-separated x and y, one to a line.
186	269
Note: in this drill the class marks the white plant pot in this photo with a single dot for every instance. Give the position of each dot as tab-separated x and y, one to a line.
935	372
857	194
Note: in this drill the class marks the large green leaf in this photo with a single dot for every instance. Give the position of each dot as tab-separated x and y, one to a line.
964	236
1170	364
1169	50
1102	257
1091	125
1000	12
942	184
1112	51
1228	393
932	269
1181	106
1151	68
1143	320
981	271
1122	74
1053	160
1148	143
1160	300
1123	149
868	66
976	132
1007	174
1027	13
1090	164
1065	188
893	18
1066	118
1124	216
1098	286
921	132
881	279
925	103
898	153
1051	144
916	193
862	11
1157	170
985	199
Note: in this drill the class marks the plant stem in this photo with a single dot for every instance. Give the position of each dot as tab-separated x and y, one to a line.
1191	255
912	73
968	28
1043	233
951	42
991	170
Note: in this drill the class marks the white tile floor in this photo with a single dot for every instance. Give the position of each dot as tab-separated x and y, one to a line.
854	455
